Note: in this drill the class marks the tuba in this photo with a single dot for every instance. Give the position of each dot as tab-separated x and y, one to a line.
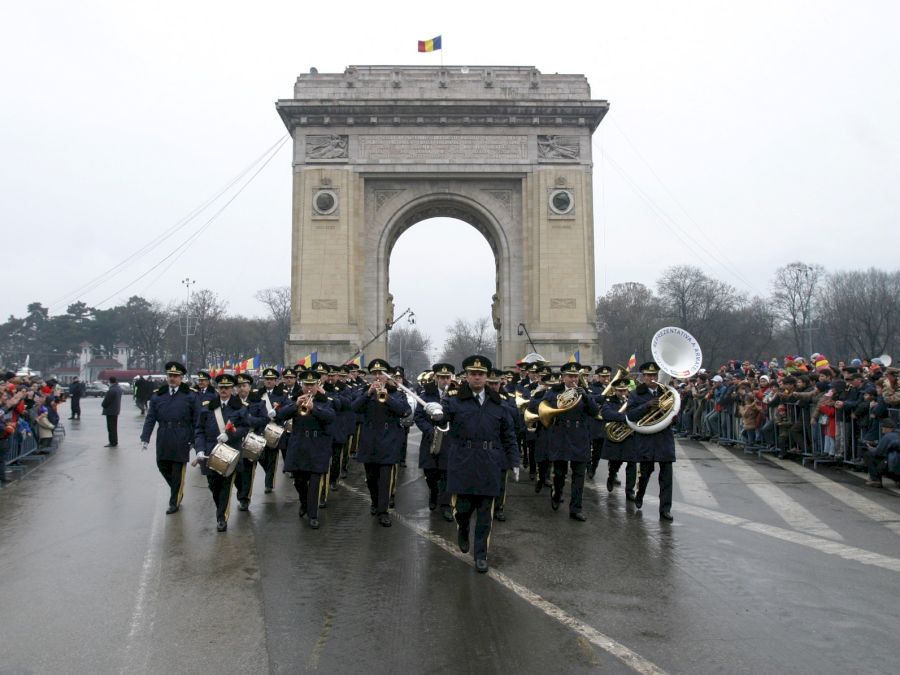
678	354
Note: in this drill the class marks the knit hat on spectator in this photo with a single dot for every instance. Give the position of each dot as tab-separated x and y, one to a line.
856	363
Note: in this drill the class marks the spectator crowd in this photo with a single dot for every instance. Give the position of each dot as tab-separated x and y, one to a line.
842	413
28	416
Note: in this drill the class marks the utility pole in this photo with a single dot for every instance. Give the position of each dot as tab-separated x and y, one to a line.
188	328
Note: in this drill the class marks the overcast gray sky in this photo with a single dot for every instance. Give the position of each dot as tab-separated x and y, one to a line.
740	137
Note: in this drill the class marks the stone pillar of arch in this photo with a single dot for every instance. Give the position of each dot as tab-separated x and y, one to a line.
505	149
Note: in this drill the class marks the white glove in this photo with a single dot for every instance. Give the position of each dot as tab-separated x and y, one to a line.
516	474
271	414
434	410
222	438
201	455
143	445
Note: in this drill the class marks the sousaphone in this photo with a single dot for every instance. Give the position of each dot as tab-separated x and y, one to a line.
678	355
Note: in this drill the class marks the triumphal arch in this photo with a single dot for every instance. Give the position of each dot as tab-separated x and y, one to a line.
379	148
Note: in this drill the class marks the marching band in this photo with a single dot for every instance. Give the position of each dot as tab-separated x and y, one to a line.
479	425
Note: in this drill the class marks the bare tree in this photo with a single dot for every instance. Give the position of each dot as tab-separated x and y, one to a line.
701	305
208	310
627	317
278	301
465	338
794	291
409	347
145	324
861	311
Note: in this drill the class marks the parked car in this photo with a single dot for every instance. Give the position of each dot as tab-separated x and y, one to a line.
96	389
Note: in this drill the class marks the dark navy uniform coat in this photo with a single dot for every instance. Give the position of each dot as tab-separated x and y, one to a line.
658	447
207	429
624	451
382	439
570	431
309	447
176	417
483	443
430	394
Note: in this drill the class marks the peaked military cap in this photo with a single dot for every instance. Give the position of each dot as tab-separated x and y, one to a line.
545	369
345	369
203	375
270	373
399	370
443	369
243	378
321	368
478	363
550	377
570	368
175	368
603	370
494	376
379	366
309	376
622	383
290	371
649	368
225	380
534	367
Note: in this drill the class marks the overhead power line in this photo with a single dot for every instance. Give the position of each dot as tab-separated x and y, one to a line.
123	264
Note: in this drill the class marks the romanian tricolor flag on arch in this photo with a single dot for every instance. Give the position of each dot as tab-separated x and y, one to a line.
358	361
575	357
632	362
308	360
431	45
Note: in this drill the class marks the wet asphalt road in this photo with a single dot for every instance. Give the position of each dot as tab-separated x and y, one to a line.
768	568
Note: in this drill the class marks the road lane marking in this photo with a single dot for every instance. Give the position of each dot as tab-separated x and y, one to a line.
630	658
864	505
809	541
788	509
691	484
141	625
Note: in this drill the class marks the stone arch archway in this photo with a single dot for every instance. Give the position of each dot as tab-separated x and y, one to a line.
424	202
380	148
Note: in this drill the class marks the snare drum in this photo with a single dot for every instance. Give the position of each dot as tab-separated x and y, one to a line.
253	445
272	434
223	459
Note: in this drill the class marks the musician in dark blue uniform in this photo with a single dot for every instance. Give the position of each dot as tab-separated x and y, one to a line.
174	409
435	465
622	452
570	436
540	449
203	391
602	375
291	390
651	449
264	404
382	437
495	383
483	441
525	389
309	452
222	420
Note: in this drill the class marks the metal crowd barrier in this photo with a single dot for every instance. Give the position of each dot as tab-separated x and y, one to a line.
795	431
22	446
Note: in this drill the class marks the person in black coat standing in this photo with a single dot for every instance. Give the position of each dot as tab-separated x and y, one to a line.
173	408
434	464
617	453
76	391
651	449
111	407
482	444
382	437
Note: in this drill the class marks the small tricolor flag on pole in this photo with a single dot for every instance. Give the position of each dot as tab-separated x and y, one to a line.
430	45
632	362
576	357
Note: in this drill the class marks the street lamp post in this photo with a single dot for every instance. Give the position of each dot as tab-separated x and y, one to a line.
187	319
